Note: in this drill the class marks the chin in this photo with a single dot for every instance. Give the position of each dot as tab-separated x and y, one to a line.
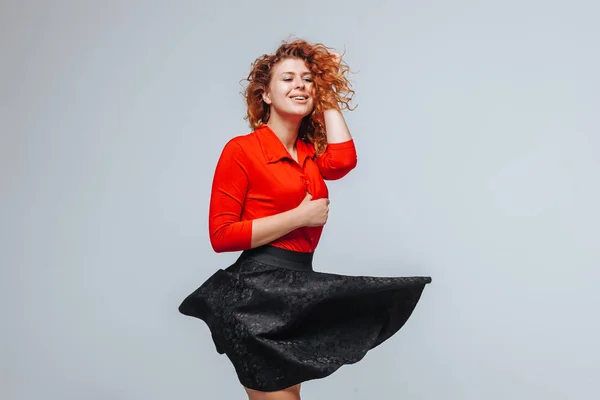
297	113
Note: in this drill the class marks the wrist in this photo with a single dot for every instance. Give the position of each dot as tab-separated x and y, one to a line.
296	218
329	99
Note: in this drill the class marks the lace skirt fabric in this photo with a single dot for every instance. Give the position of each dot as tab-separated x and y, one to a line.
281	323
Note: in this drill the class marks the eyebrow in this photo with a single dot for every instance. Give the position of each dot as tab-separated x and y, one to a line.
292	73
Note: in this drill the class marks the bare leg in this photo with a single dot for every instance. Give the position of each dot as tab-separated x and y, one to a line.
290	393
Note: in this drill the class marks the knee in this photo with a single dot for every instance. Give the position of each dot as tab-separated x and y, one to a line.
289	393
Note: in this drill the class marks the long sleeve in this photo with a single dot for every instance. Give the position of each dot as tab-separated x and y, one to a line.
337	160
230	183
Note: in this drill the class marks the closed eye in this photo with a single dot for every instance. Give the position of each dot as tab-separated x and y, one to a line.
288	79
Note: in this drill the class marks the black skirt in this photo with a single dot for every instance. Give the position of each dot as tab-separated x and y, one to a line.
281	323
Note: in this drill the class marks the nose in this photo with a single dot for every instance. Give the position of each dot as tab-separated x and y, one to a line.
300	83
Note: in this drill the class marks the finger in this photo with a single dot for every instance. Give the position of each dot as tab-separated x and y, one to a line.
336	57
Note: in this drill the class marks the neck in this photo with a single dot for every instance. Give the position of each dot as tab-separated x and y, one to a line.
285	129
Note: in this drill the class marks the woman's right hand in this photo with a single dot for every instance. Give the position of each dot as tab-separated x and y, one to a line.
313	212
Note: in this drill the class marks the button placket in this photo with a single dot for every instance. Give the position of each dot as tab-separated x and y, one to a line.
305	178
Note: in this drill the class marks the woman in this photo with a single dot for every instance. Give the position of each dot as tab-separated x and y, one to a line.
278	321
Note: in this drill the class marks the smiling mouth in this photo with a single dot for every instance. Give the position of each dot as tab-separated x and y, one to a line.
299	98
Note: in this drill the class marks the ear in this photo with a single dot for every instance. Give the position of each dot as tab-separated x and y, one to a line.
266	97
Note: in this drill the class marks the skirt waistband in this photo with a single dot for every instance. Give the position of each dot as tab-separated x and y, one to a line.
279	257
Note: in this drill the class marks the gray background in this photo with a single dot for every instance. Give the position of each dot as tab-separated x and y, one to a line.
478	134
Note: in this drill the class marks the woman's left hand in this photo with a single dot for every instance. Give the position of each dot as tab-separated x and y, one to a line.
336	57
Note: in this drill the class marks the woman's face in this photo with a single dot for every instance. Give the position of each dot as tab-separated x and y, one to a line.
291	90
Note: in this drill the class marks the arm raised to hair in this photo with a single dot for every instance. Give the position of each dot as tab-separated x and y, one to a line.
340	156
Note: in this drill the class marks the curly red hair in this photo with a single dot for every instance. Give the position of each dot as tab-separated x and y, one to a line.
333	89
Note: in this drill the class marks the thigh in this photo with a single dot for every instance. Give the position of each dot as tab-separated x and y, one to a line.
289	393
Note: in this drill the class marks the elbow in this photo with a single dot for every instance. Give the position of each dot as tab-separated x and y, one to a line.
340	170
220	245
351	163
231	237
217	240
216	244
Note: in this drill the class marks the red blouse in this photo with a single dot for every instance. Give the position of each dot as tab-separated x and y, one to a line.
256	177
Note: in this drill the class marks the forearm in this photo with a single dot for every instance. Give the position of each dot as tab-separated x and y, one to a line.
335	126
340	156
267	229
